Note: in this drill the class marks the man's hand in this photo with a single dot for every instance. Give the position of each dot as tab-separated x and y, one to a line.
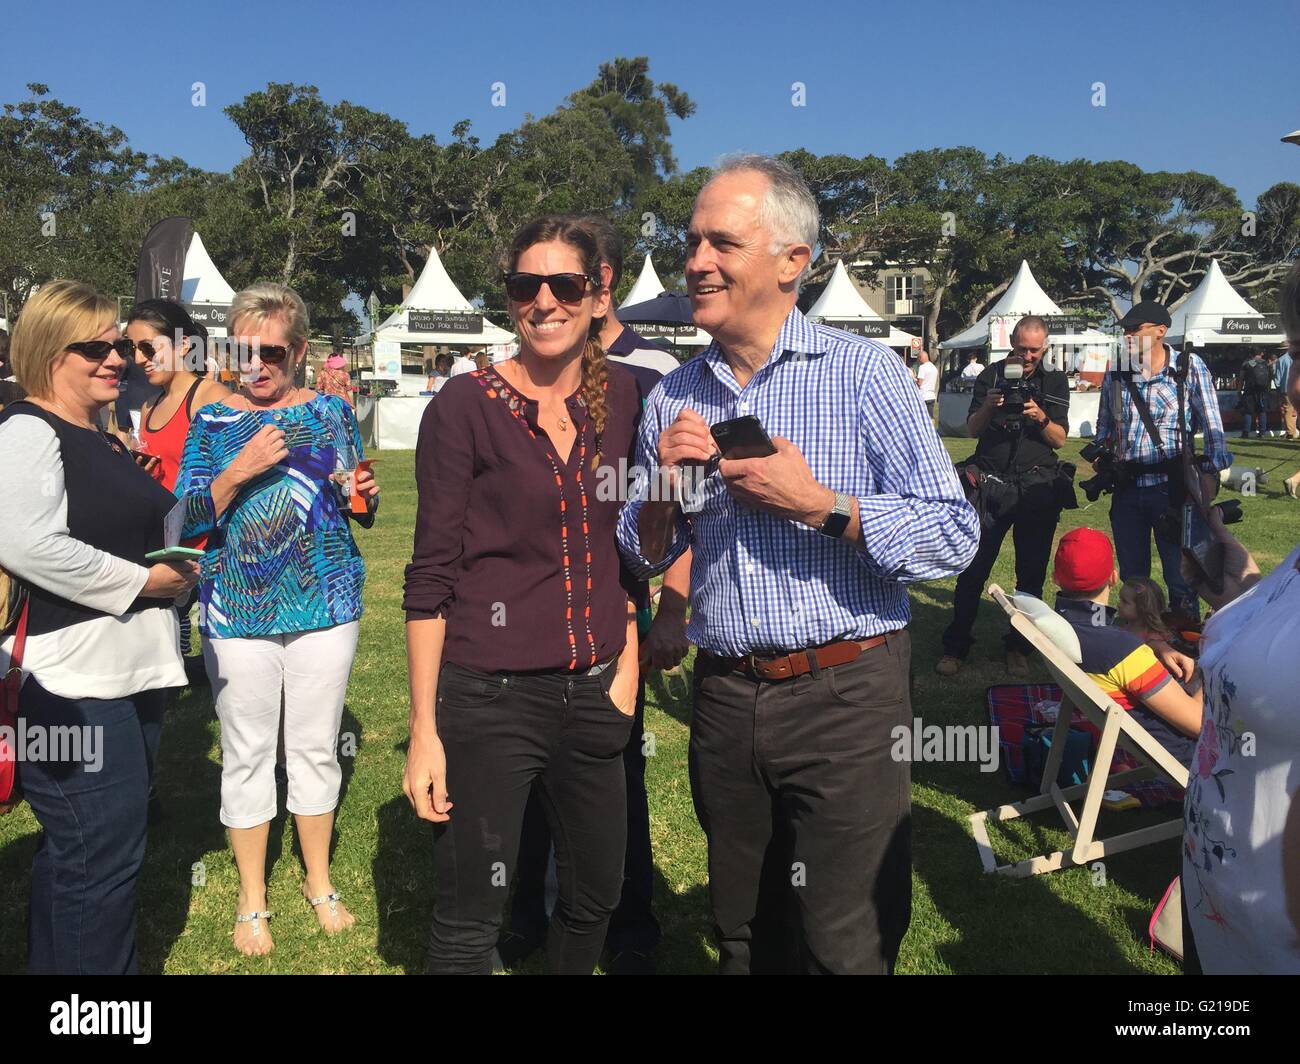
780	484
1180	666
687	439
993	399
1035	413
665	644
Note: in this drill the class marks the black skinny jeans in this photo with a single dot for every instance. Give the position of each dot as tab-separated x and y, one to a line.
633	925
501	732
1032	529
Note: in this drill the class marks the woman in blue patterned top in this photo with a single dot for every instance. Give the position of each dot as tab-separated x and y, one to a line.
279	594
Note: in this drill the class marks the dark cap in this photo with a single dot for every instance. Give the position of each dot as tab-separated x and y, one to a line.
1148	312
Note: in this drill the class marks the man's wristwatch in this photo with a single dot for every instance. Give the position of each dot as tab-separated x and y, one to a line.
838	519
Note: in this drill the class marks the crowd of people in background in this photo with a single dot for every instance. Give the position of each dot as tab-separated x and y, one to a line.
529	618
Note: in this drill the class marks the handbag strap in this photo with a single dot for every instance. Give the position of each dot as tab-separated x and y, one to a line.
13	680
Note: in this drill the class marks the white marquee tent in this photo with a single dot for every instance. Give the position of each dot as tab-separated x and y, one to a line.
841	301
648	287
1023	296
1213	305
434	292
205	293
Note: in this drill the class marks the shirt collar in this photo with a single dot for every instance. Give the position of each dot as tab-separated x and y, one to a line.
797	336
628	341
1081	611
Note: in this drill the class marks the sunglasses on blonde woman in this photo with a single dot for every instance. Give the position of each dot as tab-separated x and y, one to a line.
269	354
98	350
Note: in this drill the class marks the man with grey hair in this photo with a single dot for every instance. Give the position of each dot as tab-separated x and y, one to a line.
801	561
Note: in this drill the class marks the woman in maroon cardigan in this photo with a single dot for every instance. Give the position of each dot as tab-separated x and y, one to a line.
521	636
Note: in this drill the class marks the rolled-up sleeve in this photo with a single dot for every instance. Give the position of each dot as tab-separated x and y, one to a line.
916	523
444	471
1205	403
644	474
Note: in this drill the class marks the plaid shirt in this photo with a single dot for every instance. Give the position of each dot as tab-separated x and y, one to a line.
1161	394
761	583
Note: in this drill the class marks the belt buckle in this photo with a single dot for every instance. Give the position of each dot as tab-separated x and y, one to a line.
751	663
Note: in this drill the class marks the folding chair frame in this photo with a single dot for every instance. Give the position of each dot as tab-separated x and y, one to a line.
1117	728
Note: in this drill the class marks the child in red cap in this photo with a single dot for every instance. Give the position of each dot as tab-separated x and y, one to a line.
1122	665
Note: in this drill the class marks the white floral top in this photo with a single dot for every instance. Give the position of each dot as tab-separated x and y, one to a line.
1241	834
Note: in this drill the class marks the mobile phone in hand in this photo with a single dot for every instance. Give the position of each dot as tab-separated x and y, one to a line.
742	437
174	554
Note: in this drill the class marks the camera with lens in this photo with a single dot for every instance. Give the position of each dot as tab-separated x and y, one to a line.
1110	470
1015	392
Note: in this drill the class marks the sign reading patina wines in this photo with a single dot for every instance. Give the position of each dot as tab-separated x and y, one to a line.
872	330
451	321
1266	325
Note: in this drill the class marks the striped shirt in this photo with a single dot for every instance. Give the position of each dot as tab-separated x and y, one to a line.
1161	394
761	583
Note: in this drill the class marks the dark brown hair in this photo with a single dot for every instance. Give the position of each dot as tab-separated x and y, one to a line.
571	230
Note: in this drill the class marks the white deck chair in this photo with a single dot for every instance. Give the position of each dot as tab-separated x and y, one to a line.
1117	727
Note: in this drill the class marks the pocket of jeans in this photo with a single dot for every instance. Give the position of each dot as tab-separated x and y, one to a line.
879	680
465	687
606	681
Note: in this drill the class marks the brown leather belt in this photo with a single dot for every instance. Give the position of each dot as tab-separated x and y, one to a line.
796	663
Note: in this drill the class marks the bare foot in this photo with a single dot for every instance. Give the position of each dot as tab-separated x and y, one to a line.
332	914
253	937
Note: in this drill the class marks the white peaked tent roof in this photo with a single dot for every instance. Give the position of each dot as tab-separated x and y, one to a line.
1208	304
647	286
841	301
1023	296
203	282
435	290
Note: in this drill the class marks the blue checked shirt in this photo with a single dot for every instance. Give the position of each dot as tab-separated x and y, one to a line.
761	583
1161	394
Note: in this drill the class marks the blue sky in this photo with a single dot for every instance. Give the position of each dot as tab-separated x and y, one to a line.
1195	85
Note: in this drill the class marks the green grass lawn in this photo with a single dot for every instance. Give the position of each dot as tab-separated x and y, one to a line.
963	921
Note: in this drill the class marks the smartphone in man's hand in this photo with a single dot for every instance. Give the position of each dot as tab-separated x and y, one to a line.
742	437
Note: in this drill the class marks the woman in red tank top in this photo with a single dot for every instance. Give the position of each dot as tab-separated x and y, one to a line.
172	351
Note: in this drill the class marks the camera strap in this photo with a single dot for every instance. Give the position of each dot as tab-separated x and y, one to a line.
1144	412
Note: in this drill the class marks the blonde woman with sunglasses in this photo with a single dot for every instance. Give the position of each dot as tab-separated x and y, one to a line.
280	593
97	647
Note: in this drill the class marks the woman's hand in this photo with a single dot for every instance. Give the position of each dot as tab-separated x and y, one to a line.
150	463
622	690
425	779
262	452
170	580
366	487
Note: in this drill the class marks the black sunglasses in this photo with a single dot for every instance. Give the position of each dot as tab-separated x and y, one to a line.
269	354
98	350
565	287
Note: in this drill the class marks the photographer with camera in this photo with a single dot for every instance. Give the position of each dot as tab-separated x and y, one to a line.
1137	450
1019	412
